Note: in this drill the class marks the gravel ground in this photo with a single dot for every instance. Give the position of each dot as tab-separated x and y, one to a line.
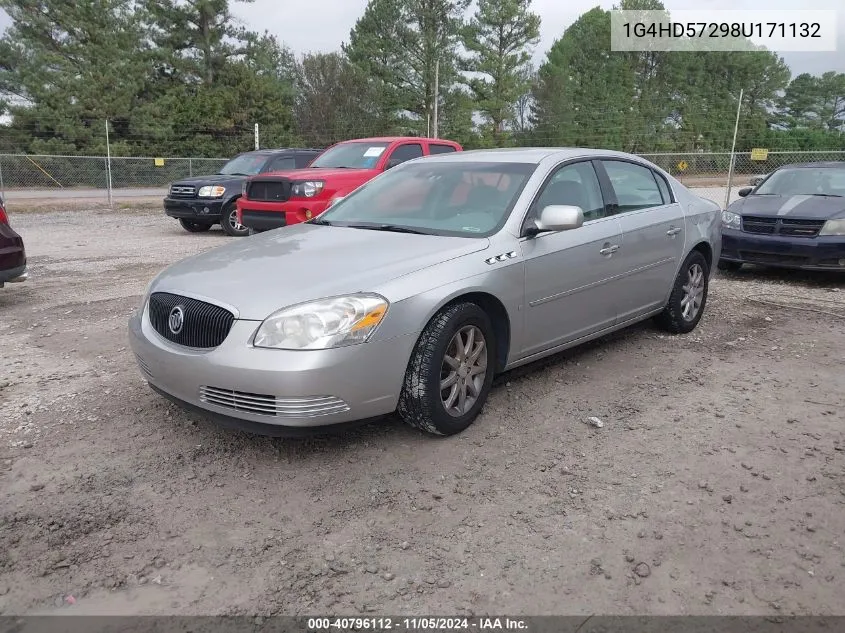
716	485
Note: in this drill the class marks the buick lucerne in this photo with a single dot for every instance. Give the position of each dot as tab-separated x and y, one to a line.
412	292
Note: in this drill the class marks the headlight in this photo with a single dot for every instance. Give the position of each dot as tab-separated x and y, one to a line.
833	227
307	188
215	191
323	324
731	220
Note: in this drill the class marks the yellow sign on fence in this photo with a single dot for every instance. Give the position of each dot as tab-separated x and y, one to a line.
758	153
159	162
682	166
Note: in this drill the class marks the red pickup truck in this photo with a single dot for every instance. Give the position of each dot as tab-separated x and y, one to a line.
280	198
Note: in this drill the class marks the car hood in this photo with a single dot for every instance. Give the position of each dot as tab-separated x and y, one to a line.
804	207
260	274
208	180
314	173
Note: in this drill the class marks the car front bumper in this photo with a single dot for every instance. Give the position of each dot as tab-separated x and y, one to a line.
197	209
270	391
816	253
263	216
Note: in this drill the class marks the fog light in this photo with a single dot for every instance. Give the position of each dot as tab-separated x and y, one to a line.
308	217
205	209
842	262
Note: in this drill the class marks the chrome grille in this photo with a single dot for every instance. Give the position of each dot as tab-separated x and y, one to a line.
275	190
204	326
183	191
262	404
781	226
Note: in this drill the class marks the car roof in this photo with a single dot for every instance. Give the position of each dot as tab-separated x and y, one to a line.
280	150
816	165
393	139
533	155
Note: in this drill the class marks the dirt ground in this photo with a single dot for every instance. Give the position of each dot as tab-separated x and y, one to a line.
716	486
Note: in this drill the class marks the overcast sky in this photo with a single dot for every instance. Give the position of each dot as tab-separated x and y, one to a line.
321	25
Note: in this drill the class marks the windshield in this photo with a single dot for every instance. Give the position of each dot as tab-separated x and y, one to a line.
805	181
438	198
244	165
355	155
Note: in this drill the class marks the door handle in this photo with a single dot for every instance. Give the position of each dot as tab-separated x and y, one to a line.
673	231
609	249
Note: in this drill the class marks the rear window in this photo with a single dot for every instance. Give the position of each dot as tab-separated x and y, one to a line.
352	155
437	148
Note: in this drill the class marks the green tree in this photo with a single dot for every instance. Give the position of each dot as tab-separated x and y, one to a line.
584	92
70	65
499	38
409	46
814	102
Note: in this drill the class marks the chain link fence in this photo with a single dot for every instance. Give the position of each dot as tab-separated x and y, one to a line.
47	176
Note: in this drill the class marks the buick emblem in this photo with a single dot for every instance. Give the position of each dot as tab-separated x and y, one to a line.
176	320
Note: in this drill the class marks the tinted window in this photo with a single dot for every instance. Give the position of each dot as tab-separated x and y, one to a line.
434	148
664	188
576	185
302	160
281	163
634	185
403	153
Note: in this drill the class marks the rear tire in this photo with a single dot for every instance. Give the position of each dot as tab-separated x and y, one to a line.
689	296
229	222
194	227
729	267
451	370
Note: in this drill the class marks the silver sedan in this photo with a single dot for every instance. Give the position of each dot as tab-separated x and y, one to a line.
411	293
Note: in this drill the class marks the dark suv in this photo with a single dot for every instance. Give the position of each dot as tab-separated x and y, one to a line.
12	253
202	201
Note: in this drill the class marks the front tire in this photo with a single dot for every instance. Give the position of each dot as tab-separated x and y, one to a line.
194	227
230	224
451	370
689	296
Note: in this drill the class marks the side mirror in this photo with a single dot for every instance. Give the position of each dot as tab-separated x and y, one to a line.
558	217
744	191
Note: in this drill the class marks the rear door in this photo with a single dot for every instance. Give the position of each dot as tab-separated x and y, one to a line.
402	153
652	233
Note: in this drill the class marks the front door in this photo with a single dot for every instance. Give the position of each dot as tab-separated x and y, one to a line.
652	235
569	274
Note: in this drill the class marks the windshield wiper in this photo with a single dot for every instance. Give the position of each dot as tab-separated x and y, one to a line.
394	228
320	222
827	195
234	173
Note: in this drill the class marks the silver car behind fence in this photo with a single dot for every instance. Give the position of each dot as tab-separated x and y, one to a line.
411	293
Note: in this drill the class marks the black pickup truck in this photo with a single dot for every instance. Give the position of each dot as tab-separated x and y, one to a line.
202	201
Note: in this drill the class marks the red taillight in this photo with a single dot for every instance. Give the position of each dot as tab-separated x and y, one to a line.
4	219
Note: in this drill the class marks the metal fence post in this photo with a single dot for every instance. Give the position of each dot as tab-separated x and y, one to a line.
733	152
108	162
2	188
190	168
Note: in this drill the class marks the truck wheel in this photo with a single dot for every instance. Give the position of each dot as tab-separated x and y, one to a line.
230	224
451	370
194	227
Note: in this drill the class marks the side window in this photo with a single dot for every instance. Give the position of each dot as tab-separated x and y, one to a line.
302	160
281	163
664	188
436	148
403	153
634	185
575	184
